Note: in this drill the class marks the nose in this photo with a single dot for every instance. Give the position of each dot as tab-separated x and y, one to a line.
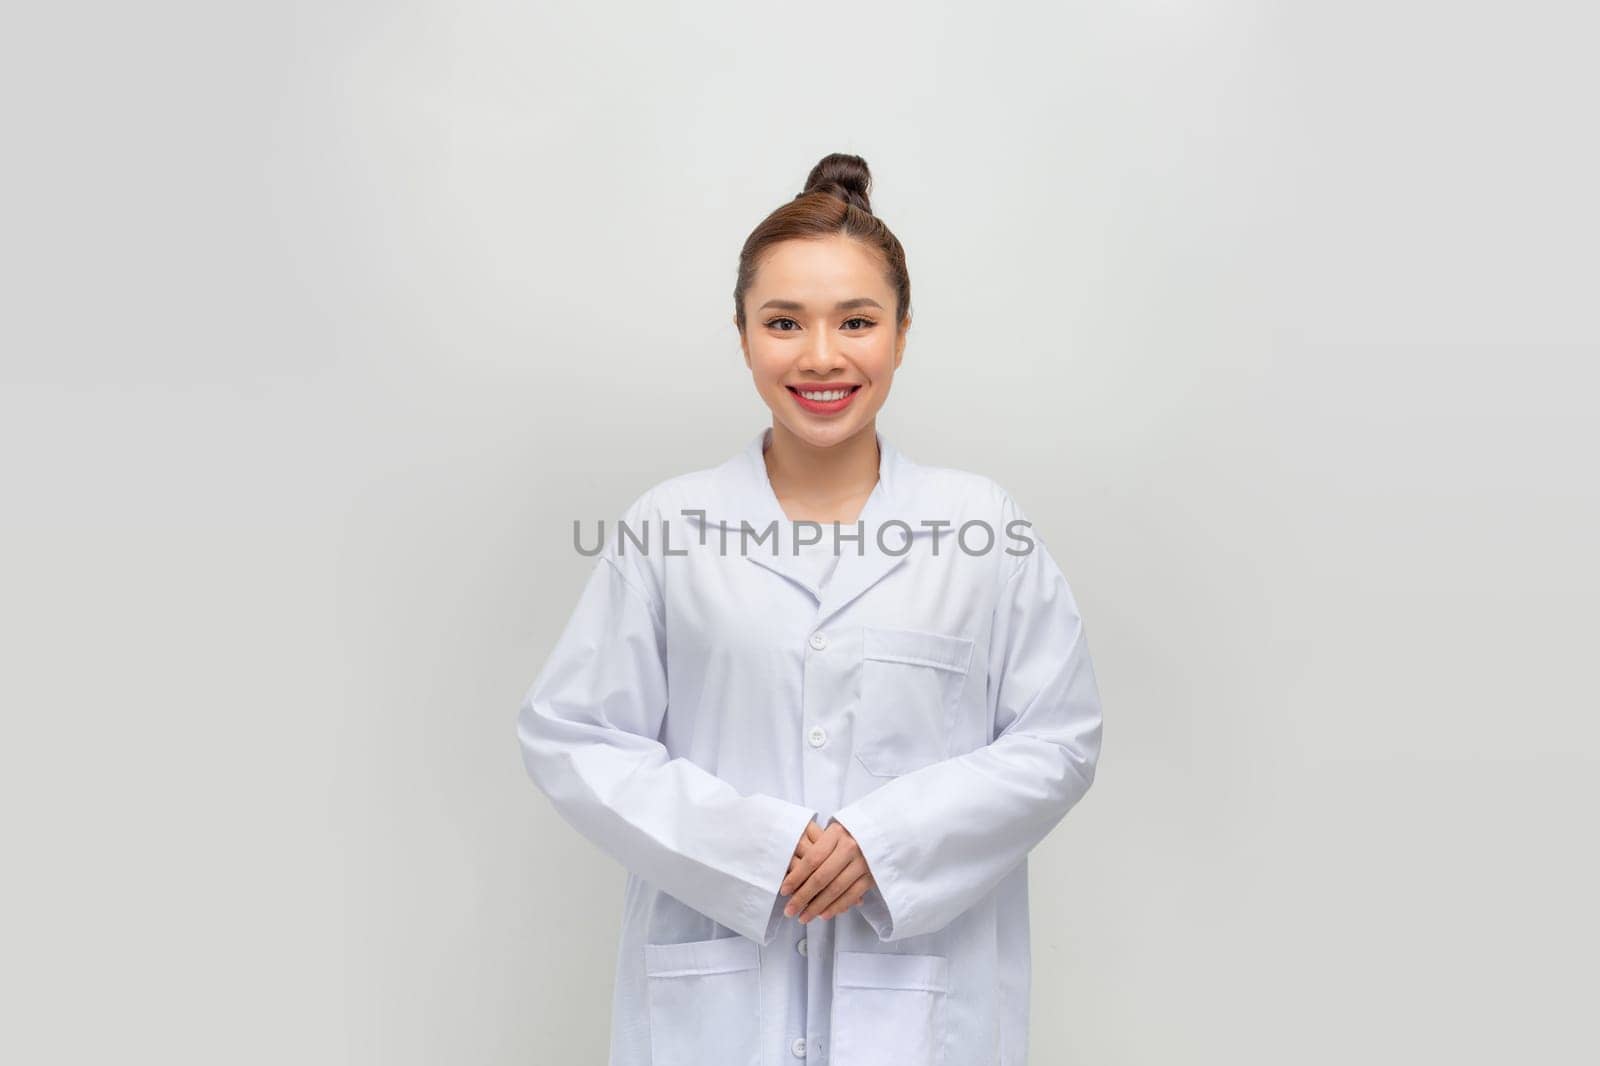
821	355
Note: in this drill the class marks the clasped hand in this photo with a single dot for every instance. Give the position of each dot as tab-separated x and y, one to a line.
828	874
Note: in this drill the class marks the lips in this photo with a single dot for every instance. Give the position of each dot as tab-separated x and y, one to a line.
816	392
838	397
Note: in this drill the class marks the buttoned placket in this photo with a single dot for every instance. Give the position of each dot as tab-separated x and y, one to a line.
827	658
819	668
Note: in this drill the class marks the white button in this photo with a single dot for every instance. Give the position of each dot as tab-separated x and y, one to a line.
818	736
801	947
798	1047
819	640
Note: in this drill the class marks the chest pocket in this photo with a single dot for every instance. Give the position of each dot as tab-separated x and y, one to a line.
911	682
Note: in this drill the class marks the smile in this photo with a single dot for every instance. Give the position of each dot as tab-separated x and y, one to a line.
824	401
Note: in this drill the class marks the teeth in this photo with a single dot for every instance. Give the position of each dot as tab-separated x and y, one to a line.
824	397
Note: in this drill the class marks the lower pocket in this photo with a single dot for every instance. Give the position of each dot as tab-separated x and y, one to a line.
889	1008
705	1002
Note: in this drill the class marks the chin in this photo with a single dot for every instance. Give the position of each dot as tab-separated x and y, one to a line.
825	436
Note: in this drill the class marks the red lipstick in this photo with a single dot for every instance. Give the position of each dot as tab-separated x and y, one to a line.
824	407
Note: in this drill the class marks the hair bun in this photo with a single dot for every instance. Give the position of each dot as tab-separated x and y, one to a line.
844	176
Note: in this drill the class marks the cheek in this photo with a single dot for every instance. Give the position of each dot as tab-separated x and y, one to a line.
765	378
765	368
877	358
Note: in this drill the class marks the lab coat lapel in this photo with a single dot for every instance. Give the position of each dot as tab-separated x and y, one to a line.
757	504
861	564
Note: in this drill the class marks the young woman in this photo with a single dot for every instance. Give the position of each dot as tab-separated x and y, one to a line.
820	681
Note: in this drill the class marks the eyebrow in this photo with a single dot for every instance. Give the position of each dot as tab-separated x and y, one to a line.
842	305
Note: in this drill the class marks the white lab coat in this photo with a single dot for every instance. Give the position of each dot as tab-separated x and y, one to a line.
704	704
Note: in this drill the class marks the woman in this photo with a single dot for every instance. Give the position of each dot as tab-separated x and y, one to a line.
820	681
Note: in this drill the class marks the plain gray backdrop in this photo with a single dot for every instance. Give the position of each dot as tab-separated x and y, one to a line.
323	322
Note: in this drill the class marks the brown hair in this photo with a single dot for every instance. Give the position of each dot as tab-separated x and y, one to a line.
834	201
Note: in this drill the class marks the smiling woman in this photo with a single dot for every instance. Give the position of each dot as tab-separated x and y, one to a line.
767	738
832	308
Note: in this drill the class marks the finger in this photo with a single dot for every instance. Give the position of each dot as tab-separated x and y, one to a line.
852	896
810	836
816	876
824	861
801	869
844	853
799	866
802	874
813	831
831	894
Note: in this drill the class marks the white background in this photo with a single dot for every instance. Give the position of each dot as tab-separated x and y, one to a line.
323	322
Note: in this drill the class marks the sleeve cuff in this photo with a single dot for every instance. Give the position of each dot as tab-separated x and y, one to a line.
876	912
762	911
884	901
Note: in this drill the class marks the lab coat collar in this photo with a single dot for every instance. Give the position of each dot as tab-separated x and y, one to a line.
747	496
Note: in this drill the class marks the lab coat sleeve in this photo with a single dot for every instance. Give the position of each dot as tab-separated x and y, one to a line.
587	730
941	837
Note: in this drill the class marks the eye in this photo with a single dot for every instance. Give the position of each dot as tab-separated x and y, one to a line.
771	322
868	322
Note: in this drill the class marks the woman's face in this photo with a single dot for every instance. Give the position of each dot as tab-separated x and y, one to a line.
819	318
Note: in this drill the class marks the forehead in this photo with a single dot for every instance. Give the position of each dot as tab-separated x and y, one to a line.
820	271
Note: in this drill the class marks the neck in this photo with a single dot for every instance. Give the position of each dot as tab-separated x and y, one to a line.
809	478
